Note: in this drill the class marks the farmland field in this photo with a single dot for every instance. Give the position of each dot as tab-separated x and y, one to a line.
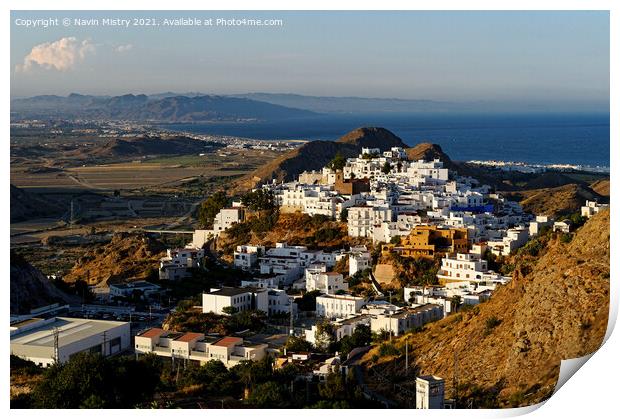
164	172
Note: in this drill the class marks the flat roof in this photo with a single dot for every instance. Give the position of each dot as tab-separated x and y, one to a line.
188	337
228	341
230	291
152	333
341	297
70	330
23	323
134	285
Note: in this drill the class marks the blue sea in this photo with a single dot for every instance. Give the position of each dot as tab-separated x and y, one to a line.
536	139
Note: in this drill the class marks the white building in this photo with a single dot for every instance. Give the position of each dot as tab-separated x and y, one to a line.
279	302
422	172
540	222
468	267
362	219
198	347
591	208
226	218
246	256
338	306
442	296
33	339
359	259
175	264
288	262
429	392
514	239
242	299
144	288
342	327
406	319
200	237
326	282
564	226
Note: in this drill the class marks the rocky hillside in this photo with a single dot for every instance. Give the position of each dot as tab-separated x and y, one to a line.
128	257
314	155
294	229
561	200
509	349
31	289
601	187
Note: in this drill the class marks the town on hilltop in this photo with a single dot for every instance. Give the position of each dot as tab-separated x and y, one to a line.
389	246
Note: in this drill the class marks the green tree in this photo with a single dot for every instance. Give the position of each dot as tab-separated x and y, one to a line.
259	200
210	207
395	240
344	215
338	162
333	388
324	335
386	168
230	310
362	336
269	395
90	381
297	344
455	303
307	302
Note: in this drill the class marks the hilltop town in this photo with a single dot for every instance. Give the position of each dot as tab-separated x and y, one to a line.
293	292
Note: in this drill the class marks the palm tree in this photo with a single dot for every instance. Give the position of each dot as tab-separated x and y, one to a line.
455	302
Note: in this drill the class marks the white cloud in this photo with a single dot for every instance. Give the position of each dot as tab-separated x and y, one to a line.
124	48
61	55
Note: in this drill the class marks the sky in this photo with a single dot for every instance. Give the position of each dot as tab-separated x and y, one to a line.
504	56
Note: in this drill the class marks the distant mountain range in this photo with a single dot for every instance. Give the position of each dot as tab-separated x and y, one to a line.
333	104
160	108
201	107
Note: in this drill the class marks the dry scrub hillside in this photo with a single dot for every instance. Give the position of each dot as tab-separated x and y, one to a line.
601	187
509	349
562	200
292	228
128	257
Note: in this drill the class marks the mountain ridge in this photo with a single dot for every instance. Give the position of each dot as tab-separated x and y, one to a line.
144	108
314	155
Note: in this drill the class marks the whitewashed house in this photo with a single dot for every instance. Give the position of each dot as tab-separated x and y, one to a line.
468	267
241	299
591	208
246	256
359	259
338	306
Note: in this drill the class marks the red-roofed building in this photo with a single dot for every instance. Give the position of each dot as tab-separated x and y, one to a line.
198	347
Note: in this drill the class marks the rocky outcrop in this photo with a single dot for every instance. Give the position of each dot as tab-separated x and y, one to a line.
314	155
128	257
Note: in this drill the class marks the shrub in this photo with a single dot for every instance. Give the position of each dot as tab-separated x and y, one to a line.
490	324
388	349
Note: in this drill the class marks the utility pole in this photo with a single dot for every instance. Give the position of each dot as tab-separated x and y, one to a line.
105	336
406	356
292	329
56	346
390	316
455	379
